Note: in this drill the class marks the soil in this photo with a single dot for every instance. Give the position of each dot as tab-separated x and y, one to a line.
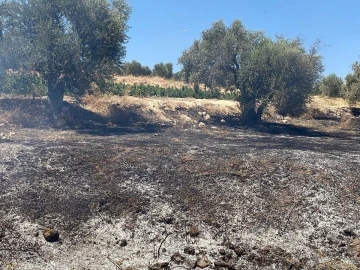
144	194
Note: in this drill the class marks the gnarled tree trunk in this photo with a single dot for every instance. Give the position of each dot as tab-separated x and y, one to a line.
56	93
251	113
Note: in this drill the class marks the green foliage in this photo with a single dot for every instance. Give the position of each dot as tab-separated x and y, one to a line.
136	69
351	89
71	44
163	70
263	70
179	76
144	90
22	84
117	89
331	86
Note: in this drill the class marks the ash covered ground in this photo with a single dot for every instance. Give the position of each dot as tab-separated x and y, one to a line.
161	197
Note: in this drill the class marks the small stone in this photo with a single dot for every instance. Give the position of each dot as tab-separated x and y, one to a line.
36	234
222	121
222	251
189	250
202	124
123	243
203	262
194	231
51	235
177	258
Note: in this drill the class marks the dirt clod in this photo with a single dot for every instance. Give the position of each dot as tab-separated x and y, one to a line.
51	235
194	231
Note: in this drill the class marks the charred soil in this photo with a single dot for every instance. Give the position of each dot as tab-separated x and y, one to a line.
156	196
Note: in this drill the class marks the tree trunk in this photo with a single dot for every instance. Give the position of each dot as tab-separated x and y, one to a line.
251	115
56	97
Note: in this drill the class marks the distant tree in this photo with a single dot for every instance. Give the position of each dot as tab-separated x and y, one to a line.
179	76
71	44
331	85
352	84
136	69
163	70
281	72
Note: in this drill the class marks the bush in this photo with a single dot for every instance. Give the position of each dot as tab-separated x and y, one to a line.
22	84
330	86
118	89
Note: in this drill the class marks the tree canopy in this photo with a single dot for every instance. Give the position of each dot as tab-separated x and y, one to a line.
71	44
331	85
263	70
136	69
352	84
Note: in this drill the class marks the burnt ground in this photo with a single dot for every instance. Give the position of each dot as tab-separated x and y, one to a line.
224	197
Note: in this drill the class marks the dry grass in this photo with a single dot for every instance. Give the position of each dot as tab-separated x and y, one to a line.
148	80
324	103
156	109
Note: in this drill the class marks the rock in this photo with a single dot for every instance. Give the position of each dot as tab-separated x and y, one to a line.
222	251
177	258
222	121
159	266
123	243
203	262
189	250
36	234
202	124
51	235
194	231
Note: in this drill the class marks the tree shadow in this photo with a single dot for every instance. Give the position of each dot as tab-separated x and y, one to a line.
272	128
33	113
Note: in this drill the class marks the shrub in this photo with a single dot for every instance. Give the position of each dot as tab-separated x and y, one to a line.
22	84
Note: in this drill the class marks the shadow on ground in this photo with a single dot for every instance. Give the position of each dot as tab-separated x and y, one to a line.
33	113
272	128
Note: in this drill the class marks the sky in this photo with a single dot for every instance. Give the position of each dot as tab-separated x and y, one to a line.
162	29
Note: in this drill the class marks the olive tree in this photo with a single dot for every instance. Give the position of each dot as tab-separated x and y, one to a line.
163	70
71	44
331	85
136	69
352	84
263	70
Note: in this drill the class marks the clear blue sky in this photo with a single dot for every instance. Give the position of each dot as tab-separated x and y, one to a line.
162	29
